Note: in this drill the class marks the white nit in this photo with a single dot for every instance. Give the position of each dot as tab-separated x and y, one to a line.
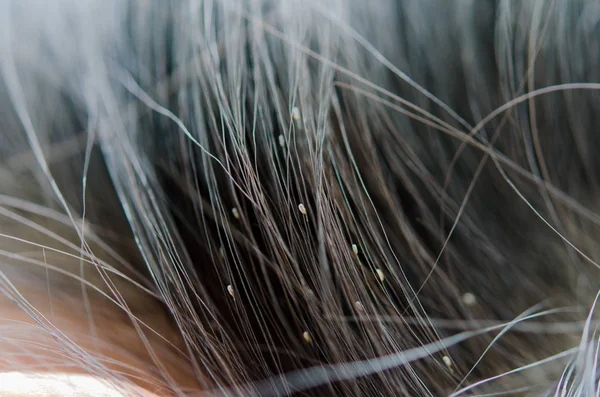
302	209
447	361
469	299
230	290
380	275
281	141
296	113
235	212
359	306
355	249
307	338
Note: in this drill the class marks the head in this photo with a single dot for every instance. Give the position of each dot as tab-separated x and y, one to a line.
205	198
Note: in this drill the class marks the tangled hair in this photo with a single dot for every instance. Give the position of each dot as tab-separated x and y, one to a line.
308	197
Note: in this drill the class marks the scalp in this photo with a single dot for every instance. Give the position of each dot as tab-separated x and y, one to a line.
329	198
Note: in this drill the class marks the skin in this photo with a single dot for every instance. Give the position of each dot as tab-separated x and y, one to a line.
29	351
48	326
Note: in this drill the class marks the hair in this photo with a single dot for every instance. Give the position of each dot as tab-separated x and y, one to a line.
271	197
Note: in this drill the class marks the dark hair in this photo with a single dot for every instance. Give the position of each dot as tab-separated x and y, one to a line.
331	198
